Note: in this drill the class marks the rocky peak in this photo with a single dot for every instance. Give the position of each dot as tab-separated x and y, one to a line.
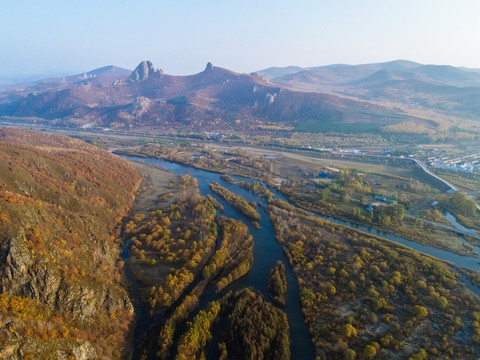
145	70
209	67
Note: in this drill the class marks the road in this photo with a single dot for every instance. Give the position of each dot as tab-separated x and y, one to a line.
452	187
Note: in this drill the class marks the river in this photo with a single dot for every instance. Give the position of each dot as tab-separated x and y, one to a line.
267	252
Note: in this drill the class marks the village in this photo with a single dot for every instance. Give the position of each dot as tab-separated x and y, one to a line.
467	163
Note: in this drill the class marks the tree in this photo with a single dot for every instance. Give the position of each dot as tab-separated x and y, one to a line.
350	330
356	212
400	212
369	351
349	354
324	194
421	355
420	311
462	203
385	220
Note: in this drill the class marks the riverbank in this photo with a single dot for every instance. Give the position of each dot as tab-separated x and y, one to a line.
421	232
259	267
266	254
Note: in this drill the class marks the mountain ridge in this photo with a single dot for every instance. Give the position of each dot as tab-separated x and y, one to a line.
215	98
218	99
444	90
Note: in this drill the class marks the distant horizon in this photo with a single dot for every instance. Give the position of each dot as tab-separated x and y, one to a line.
54	36
55	74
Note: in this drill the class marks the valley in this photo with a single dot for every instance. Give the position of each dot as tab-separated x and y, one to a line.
188	214
260	161
201	175
239	180
211	222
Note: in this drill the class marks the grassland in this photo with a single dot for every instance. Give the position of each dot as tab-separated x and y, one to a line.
157	184
468	182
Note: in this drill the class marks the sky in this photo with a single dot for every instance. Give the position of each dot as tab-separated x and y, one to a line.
181	36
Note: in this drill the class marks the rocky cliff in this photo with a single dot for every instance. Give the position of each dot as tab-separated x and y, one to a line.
62	290
145	70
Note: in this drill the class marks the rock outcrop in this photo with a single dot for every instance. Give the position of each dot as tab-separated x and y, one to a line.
145	70
140	106
209	67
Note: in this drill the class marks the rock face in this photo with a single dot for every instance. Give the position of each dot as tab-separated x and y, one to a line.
46	284
61	280
14	262
209	67
269	98
140	106
144	71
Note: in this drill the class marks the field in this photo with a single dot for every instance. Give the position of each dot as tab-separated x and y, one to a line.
287	161
470	184
155	186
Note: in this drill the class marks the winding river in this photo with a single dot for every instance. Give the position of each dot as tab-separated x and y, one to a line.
267	252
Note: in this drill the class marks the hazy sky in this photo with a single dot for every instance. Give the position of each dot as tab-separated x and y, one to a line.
181	36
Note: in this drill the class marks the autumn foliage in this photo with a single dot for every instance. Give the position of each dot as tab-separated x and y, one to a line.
61	202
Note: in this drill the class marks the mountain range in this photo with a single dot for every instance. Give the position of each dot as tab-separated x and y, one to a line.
351	75
382	95
447	90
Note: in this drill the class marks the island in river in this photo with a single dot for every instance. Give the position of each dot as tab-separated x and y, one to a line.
355	289
199	265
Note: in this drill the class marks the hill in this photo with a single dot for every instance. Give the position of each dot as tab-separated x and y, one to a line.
214	99
336	73
433	91
340	74
61	285
390	97
98	77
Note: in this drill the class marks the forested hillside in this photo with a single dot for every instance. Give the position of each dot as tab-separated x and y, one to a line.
62	293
